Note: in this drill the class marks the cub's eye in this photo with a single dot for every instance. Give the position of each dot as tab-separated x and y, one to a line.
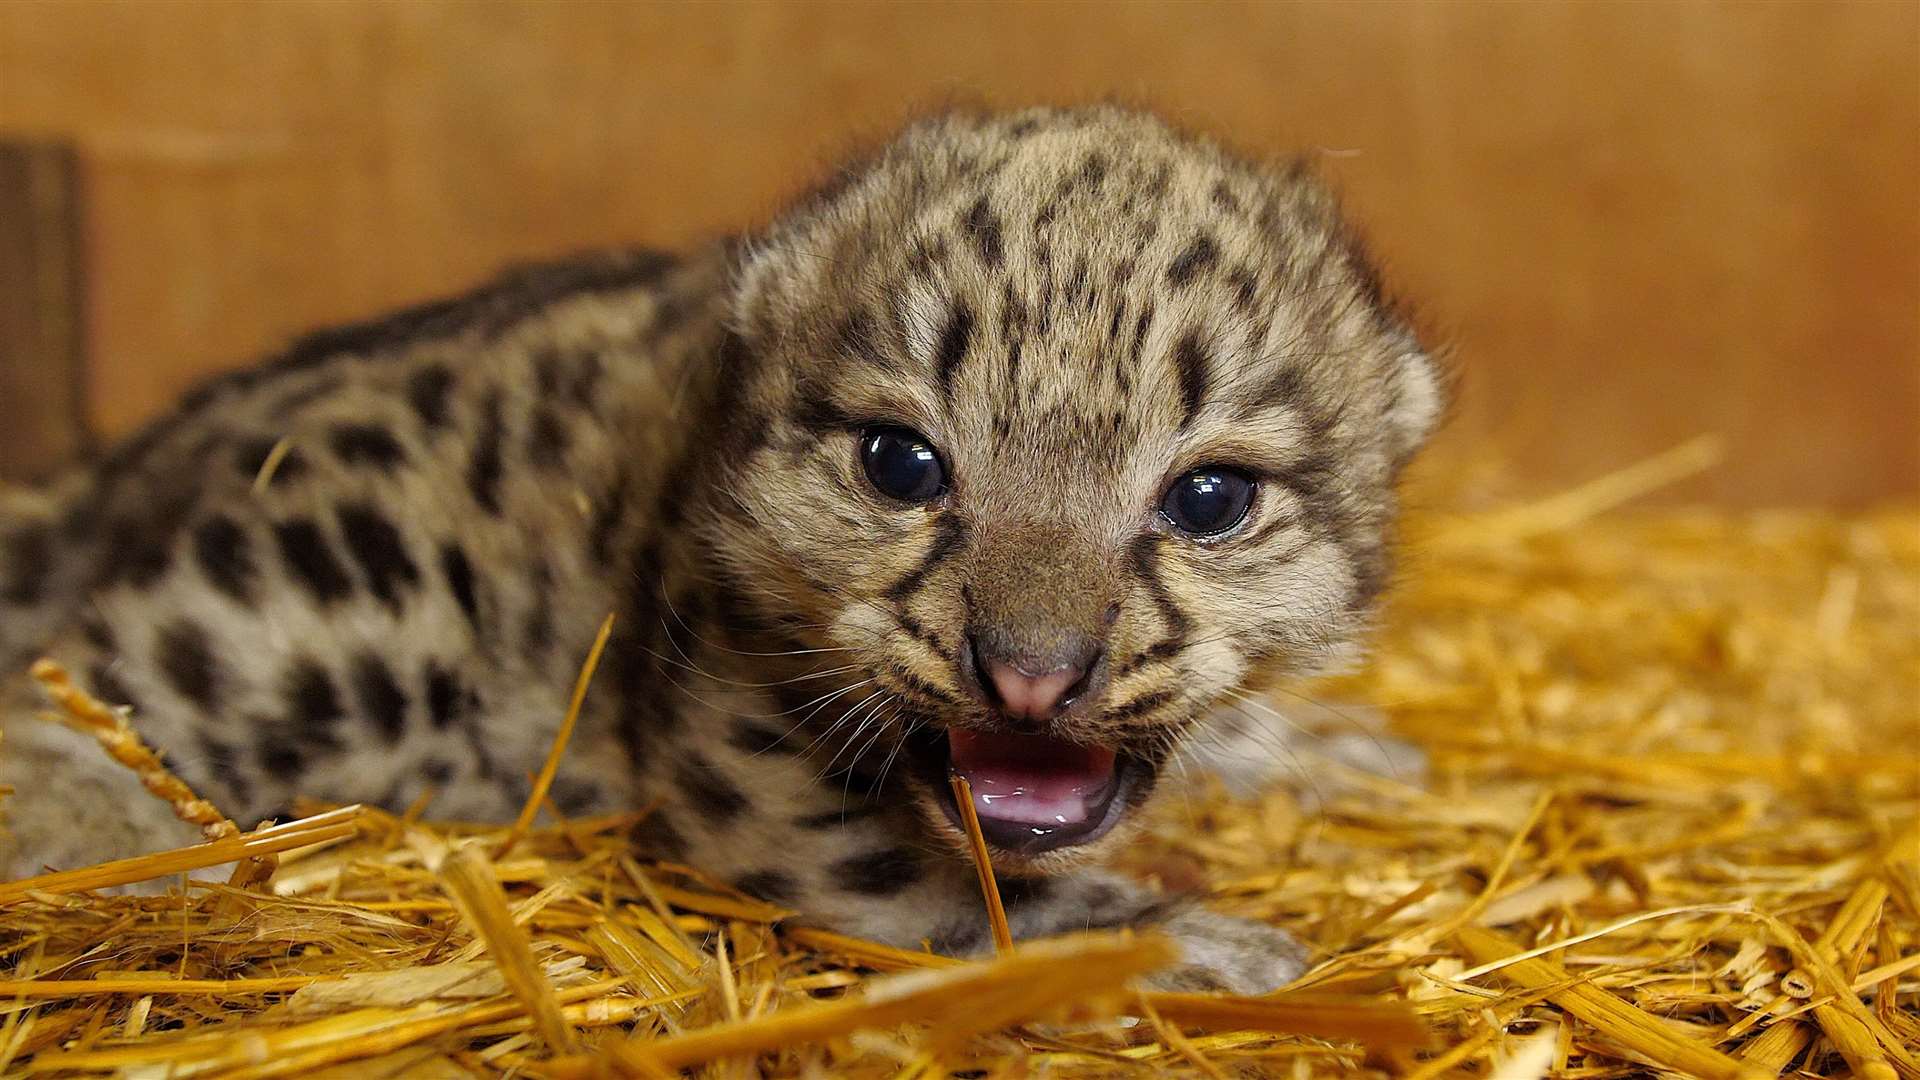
1208	501
902	464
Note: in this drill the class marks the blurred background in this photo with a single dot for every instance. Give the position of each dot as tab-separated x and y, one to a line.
1628	224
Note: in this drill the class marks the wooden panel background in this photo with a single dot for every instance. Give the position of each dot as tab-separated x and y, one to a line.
1631	223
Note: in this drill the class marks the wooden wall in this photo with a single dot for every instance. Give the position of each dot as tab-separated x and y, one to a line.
1631	223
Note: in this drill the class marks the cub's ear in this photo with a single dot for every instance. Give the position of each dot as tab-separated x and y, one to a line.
1416	388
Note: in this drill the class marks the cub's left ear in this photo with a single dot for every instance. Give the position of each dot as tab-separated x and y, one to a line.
1416	398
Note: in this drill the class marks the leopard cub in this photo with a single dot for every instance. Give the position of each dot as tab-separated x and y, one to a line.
1008	454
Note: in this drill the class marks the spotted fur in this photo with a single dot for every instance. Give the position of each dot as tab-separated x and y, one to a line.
372	565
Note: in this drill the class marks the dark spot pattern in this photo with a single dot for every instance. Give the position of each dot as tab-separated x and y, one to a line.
225	556
984	227
754	738
708	790
458	571
375	543
310	559
222	762
660	836
367	444
184	656
1193	261
955	340
313	705
547	439
27	561
1190	361
879	873
108	687
281	760
773	886
379	696
445	700
484	469
428	392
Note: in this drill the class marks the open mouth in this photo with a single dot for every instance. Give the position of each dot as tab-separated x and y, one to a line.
1031	793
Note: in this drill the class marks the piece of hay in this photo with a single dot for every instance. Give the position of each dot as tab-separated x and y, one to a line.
1672	772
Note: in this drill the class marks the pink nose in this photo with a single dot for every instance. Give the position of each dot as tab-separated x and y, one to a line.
1031	697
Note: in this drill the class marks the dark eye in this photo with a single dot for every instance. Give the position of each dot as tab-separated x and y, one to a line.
902	464
1208	501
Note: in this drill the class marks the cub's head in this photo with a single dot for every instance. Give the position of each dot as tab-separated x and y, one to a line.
1063	426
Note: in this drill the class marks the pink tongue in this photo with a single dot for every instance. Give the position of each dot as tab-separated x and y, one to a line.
1030	780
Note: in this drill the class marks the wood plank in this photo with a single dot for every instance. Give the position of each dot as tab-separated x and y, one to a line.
41	377
1633	224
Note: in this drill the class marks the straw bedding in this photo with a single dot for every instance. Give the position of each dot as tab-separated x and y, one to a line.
1668	823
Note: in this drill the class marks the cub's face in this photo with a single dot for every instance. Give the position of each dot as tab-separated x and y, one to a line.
1060	427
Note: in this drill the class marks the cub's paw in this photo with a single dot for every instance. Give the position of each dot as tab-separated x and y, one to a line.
1235	956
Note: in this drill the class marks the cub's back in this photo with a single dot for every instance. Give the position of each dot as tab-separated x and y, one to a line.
339	565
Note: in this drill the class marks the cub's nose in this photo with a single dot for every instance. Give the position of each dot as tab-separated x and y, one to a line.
1036	686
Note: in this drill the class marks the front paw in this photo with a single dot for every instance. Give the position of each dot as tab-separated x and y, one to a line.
1219	953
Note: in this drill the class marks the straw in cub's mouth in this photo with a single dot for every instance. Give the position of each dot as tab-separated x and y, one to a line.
1032	793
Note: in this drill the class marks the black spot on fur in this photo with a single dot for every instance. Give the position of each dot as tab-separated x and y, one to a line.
428	390
459	574
1196	259
773	886
607	514
107	686
856	340
311	561
380	550
1190	360
547	439
367	444
225	557
1093	170
537	631
1140	327
379	695
222	761
1245	289
27	561
984	227
313	705
546	373
879	873
483	470
708	790
753	737
436	771
185	658
954	342
97	632
659	836
814	409
281	760
141	551
586	379
445	701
